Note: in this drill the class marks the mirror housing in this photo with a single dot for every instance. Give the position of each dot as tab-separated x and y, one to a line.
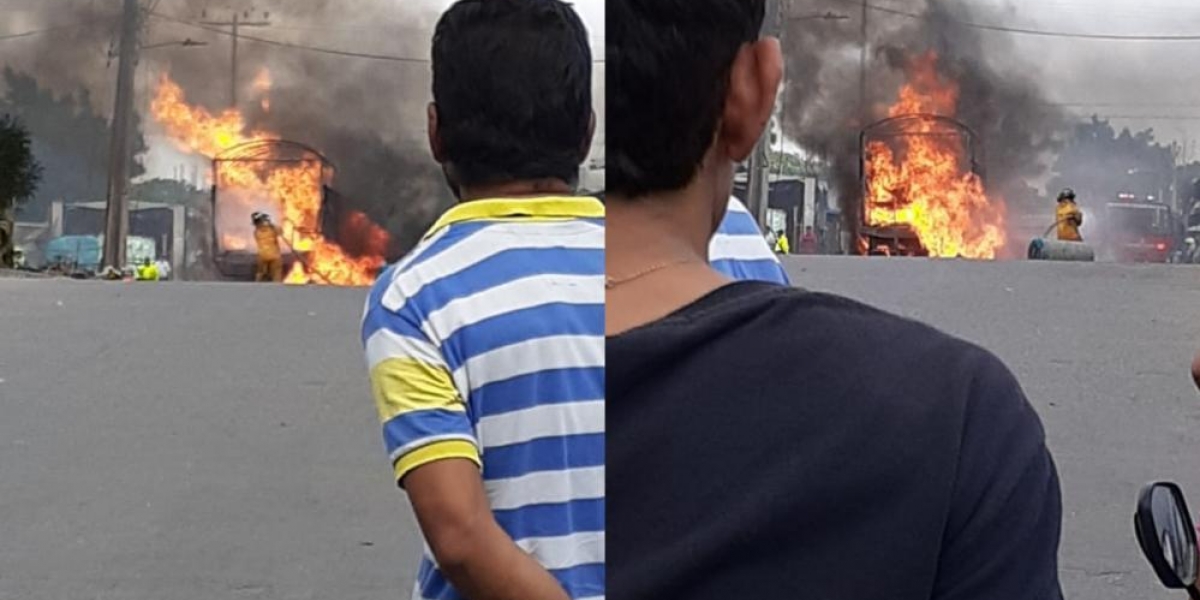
1167	535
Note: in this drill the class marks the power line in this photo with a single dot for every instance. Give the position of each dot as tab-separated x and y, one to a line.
293	46
1038	32
1149	117
37	32
1124	104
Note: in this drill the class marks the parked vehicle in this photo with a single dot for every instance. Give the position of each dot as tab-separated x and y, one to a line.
82	254
1139	230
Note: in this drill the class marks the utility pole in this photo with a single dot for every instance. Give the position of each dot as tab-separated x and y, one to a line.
116	226
759	185
862	69
235	25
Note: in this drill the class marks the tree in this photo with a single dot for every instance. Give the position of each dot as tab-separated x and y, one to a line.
1099	163
20	172
70	139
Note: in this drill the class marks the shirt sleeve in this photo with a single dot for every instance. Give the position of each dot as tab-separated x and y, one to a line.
1001	541
424	417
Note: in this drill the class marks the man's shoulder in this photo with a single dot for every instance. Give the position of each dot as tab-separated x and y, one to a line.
874	351
468	258
880	336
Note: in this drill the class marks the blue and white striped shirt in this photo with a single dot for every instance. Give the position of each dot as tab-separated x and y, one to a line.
486	343
739	250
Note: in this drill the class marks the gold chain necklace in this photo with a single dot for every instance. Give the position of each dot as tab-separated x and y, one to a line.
612	282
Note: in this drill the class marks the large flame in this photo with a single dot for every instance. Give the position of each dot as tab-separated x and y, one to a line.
292	192
920	180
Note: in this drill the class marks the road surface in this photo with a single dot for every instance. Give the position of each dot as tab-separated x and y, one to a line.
182	441
1102	351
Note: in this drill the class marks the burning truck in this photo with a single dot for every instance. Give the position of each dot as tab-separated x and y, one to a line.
923	190
258	171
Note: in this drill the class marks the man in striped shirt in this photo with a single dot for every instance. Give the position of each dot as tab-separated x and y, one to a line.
485	344
739	250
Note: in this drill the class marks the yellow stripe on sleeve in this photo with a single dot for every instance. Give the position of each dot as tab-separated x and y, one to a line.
403	385
434	452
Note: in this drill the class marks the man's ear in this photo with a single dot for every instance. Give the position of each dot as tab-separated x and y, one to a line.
591	136
435	140
750	101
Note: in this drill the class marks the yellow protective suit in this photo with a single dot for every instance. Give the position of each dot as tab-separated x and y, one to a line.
270	259
782	246
147	272
1070	219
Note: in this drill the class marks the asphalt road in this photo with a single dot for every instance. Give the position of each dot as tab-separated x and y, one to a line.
1102	350
217	441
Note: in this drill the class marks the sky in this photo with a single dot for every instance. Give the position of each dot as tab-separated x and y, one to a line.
1146	80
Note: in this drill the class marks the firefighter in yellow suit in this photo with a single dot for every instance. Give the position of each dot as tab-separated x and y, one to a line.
1069	217
270	259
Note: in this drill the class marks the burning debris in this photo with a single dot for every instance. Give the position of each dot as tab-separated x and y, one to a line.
256	171
367	115
924	181
933	66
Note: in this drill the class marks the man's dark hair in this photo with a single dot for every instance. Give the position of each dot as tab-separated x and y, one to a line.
512	80
668	74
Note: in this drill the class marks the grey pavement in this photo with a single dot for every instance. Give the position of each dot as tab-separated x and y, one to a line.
163	441
179	441
1102	351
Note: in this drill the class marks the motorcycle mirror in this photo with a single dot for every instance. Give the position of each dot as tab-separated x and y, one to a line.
1166	534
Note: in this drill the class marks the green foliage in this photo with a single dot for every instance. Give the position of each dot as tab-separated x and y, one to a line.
19	170
1099	162
70	140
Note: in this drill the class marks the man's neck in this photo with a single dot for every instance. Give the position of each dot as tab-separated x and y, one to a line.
656	259
517	189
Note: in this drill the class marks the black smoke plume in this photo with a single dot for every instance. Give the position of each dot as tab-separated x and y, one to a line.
366	115
999	98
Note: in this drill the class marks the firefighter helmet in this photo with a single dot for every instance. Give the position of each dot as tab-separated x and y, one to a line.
1066	194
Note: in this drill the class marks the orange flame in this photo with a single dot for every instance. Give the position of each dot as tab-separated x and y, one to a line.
262	85
923	184
291	192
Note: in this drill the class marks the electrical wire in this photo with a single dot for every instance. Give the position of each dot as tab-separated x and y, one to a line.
1036	32
291	45
294	46
37	32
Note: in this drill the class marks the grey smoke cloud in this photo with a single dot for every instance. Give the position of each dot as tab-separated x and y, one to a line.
1000	95
367	116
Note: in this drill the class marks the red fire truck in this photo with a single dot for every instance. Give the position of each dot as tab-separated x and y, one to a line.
1138	230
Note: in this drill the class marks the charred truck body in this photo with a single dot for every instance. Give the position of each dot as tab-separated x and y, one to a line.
275	177
898	158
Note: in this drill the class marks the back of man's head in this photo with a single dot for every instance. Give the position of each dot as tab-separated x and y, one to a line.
668	70
512	83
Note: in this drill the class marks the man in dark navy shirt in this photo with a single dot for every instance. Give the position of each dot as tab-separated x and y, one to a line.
765	442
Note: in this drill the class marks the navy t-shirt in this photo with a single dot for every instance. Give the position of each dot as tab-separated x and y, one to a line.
767	443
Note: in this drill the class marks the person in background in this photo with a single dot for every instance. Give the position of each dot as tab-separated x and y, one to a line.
1069	217
485	344
147	271
740	251
754	449
270	258
782	245
808	243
